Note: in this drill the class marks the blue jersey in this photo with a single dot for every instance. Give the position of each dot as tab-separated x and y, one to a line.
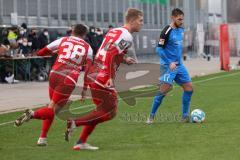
170	45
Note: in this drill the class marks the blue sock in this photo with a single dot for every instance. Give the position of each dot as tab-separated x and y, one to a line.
156	103
186	98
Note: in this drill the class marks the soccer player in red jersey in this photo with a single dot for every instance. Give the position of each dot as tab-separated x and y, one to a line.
101	77
73	53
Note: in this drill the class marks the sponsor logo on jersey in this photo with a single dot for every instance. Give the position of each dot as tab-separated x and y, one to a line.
123	44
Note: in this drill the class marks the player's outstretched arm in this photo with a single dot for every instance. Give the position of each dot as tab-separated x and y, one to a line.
44	52
50	48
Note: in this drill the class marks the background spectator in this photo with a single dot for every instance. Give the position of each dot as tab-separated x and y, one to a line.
99	37
91	38
69	31
24	49
4	48
33	38
43	39
109	28
12	36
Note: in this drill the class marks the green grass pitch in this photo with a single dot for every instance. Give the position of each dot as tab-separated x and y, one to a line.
128	137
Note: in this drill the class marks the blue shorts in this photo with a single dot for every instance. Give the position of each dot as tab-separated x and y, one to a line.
180	75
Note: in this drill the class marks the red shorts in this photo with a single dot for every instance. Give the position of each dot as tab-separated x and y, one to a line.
61	87
104	99
106	102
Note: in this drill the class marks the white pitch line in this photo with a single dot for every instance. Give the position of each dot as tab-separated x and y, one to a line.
1	124
200	81
217	77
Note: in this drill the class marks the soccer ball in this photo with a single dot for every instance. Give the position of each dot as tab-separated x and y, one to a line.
197	116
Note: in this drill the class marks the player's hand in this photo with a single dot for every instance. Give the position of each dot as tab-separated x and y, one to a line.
173	66
83	95
130	60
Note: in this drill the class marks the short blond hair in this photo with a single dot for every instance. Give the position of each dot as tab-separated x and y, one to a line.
132	13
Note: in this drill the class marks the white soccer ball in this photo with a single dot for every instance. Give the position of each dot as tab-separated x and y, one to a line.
197	116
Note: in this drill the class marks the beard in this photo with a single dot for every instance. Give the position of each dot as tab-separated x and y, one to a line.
177	25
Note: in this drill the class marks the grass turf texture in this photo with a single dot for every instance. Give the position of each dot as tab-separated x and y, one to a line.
128	137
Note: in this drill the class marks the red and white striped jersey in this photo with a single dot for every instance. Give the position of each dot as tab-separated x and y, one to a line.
110	54
73	53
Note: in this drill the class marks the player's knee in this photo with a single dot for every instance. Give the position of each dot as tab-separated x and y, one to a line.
188	89
187	86
55	106
52	105
57	109
165	90
168	90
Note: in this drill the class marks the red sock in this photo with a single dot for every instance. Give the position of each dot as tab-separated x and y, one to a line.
46	124
44	113
87	130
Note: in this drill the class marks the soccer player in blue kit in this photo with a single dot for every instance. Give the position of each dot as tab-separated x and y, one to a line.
172	69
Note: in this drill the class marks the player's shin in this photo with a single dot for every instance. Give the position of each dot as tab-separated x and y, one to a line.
186	98
156	103
86	131
46	124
